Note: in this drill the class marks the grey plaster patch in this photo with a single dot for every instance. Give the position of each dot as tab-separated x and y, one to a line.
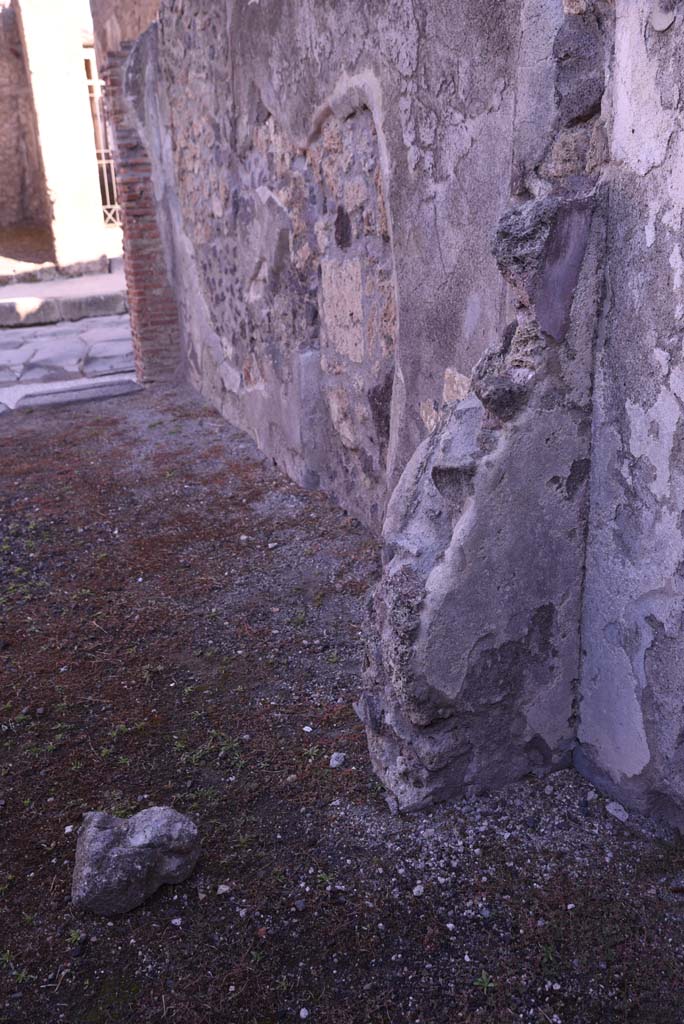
630	732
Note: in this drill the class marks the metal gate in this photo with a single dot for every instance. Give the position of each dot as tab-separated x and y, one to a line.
103	150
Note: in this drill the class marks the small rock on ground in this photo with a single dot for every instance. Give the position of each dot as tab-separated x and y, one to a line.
617	810
121	862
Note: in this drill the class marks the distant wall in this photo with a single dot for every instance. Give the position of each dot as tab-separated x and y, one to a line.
119	21
22	187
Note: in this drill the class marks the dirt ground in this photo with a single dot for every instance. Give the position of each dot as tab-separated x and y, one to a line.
180	625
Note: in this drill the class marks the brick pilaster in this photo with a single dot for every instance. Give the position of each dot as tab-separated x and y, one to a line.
152	303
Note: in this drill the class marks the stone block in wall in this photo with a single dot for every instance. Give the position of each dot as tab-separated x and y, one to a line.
342	310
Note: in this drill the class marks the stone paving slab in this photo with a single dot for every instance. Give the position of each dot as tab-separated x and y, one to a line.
49	302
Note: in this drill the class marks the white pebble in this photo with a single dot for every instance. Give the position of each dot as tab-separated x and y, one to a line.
617	810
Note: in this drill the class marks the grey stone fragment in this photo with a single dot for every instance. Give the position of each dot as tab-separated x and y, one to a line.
580	77
616	810
337	760
121	862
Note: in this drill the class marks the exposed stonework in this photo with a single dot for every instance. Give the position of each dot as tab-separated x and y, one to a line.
152	303
474	654
346	156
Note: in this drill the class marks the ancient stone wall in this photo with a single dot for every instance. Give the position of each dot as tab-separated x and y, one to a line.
473	671
336	177
523	615
22	186
439	244
152	305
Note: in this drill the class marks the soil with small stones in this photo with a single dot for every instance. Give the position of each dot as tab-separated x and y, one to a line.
181	625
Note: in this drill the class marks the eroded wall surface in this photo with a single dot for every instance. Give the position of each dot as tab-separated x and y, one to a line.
488	531
22	186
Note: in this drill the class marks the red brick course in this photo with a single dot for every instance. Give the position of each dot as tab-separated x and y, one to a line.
151	301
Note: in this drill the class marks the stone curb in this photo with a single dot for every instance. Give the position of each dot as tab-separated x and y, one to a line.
23	396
